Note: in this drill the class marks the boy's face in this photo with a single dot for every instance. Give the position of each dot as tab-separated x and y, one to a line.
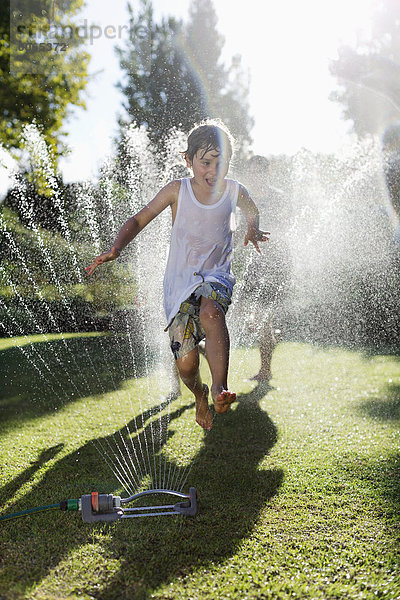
210	168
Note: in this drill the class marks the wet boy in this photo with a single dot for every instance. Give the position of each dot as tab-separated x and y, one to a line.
198	280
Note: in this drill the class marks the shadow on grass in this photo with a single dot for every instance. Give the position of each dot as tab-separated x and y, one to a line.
51	536
382	476
378	480
91	467
383	409
44	376
11	488
232	491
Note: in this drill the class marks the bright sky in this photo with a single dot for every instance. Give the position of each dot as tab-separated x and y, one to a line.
286	45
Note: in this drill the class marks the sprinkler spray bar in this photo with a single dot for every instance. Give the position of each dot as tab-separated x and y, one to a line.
97	507
106	507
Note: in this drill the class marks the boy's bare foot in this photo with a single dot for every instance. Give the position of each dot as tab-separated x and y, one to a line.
223	400
204	415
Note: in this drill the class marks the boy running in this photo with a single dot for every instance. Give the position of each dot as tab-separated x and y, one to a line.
198	281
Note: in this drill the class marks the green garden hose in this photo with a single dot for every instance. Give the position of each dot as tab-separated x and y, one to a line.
64	505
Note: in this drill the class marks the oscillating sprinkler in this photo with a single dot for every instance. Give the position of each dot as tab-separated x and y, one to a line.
106	507
97	507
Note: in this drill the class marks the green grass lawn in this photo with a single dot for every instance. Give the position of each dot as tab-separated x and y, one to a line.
299	484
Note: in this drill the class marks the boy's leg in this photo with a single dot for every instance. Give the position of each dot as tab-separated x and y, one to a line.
267	343
188	367
212	319
175	381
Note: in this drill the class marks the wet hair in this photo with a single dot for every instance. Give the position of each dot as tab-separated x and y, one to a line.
210	135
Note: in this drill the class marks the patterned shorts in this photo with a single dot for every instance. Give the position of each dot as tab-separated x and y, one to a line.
185	331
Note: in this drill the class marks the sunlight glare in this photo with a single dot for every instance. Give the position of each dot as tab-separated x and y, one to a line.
287	47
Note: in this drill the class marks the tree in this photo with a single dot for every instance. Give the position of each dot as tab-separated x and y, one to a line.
175	76
224	90
369	74
39	84
157	78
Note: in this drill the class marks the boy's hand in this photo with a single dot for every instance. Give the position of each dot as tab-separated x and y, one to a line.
102	258
255	235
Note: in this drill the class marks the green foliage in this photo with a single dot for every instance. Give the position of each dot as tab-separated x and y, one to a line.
47	96
43	284
42	209
175	76
369	74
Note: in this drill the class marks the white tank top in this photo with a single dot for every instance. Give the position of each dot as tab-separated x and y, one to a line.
201	242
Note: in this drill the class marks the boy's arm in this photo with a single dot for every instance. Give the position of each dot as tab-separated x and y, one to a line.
130	229
250	211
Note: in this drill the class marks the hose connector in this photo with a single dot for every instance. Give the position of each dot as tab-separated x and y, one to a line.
100	507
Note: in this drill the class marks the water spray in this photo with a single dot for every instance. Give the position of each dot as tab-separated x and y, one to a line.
97	507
